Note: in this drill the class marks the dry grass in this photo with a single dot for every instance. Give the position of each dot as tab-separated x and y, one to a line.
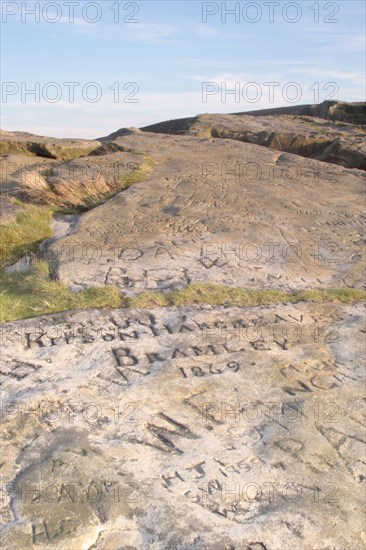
75	195
65	194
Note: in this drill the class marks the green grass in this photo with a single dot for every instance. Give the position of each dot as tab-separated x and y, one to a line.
140	174
14	148
24	234
33	293
212	294
71	153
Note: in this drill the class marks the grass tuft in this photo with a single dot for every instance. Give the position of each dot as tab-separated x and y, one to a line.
77	195
140	174
24	234
33	293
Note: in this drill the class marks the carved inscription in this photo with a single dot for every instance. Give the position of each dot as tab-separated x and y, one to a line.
166	431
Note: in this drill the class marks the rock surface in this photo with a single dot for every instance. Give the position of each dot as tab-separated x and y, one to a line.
44	147
194	428
198	427
221	211
355	113
308	136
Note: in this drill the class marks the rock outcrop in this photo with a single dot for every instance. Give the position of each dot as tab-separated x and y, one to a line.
44	147
195	427
354	113
192	429
314	131
220	211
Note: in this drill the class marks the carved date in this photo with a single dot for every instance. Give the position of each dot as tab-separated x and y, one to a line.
233	366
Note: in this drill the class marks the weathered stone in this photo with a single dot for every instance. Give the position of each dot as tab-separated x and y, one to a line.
202	428
221	211
354	113
44	147
308	136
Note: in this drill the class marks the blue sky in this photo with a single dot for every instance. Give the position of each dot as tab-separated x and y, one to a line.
166	55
